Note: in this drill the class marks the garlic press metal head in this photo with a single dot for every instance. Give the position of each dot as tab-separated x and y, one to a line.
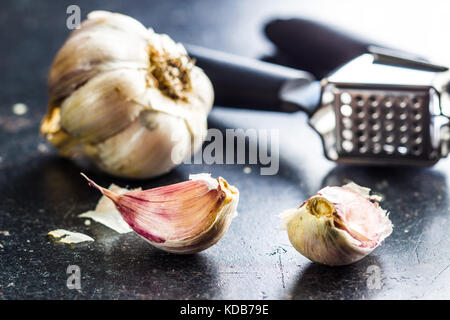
384	108
381	108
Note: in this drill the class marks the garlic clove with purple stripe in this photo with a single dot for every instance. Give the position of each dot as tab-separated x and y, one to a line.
184	218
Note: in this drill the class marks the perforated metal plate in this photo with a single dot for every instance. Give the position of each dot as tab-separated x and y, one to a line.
383	124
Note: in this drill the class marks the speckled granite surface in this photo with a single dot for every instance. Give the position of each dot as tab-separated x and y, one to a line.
40	192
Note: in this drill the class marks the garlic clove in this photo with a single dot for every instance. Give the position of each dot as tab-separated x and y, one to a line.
106	99
105	41
192	112
150	132
338	225
183	218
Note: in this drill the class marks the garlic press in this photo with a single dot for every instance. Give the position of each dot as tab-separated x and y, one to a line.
381	108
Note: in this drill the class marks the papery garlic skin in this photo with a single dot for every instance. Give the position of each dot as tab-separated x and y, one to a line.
125	97
183	218
337	226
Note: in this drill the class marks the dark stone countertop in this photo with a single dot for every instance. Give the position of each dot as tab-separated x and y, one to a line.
40	192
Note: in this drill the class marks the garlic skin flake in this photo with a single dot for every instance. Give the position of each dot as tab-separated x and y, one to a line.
183	218
69	237
125	97
338	225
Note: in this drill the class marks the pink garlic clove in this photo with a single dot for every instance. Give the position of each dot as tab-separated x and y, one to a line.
185	217
338	225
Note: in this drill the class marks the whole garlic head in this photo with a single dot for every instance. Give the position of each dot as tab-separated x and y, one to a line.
338	225
130	100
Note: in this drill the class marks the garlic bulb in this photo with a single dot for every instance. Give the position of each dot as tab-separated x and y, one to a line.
184	218
338	225
125	97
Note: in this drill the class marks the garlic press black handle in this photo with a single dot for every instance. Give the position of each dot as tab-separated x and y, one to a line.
248	83
313	46
320	49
